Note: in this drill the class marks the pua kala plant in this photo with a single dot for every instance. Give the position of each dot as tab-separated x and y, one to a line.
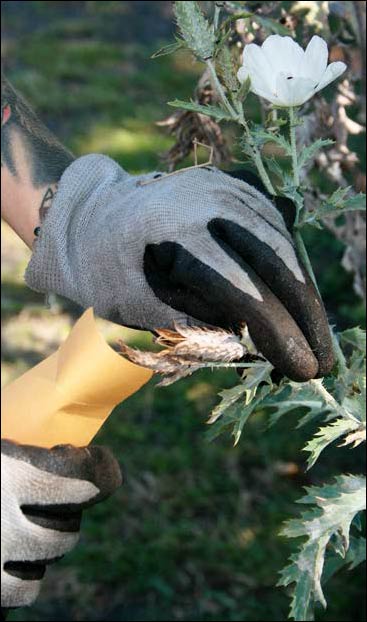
284	74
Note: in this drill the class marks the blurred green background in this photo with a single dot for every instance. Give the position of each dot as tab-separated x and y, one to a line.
192	534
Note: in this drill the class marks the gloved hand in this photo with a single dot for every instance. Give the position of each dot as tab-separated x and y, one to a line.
43	493
198	245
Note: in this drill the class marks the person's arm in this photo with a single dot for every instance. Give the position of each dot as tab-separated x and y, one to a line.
32	162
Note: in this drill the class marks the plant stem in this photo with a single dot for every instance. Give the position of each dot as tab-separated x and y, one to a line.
220	90
238	116
217	10
305	258
339	355
256	153
319	388
301	245
292	135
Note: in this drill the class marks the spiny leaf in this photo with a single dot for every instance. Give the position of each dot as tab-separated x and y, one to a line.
229	397
271	25
335	205
244	90
294	396
224	63
356	406
326	435
168	49
248	410
334	507
356	554
195	29
308	153
355	337
239	402
211	111
261	137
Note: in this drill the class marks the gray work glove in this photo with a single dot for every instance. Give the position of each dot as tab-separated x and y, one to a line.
198	245
43	493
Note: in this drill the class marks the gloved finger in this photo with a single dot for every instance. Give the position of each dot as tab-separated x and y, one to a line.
19	592
298	296
80	476
31	543
215	285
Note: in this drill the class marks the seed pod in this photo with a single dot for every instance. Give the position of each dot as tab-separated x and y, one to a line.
195	29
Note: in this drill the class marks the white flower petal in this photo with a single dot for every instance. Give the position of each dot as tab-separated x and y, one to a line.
283	55
254	61
333	71
293	92
242	74
315	59
258	85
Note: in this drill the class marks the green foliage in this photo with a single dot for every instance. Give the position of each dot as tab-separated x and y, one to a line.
216	112
309	152
241	401
262	136
334	508
339	400
328	434
336	204
225	67
195	30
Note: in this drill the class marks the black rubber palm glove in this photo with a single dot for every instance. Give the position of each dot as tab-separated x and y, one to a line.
199	245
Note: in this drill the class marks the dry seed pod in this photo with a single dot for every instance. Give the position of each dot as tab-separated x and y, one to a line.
203	344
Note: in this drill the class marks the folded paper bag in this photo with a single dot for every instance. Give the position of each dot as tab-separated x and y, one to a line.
67	397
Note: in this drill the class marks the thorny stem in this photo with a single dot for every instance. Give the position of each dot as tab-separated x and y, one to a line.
339	355
298	237
305	258
319	388
292	135
300	243
256	152
220	364
220	90
217	10
239	118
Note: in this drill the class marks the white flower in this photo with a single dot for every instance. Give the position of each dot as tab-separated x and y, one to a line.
285	74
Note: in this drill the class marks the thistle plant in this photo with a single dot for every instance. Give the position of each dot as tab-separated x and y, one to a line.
286	76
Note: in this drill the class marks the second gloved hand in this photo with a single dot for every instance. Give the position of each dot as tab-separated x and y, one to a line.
196	246
43	493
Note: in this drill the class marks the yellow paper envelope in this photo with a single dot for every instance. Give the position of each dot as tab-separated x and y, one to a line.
67	397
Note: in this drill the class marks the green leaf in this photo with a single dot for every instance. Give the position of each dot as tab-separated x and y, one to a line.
261	137
355	337
229	398
294	396
271	25
195	29
334	508
326	435
356	554
248	410
168	49
244	90
308	153
290	191
356	405
335	205
211	111
240	401
225	65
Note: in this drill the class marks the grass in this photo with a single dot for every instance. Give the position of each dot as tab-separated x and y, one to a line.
192	533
